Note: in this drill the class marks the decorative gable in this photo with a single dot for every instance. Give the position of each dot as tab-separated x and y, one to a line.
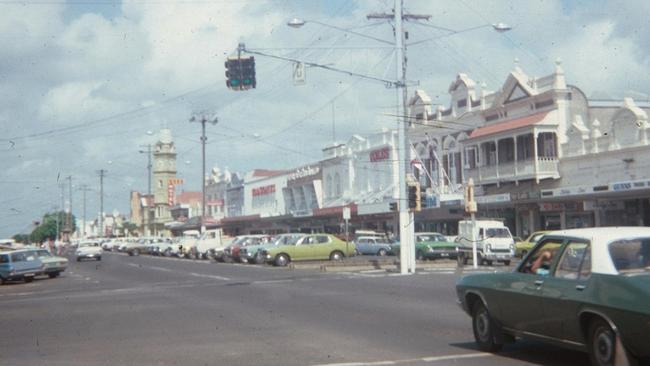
516	94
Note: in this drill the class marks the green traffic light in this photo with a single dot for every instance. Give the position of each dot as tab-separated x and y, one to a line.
234	82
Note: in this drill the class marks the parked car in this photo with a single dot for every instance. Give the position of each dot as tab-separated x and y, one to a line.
89	249
253	253
232	252
586	289
137	247
20	264
52	264
373	245
309	247
523	247
430	245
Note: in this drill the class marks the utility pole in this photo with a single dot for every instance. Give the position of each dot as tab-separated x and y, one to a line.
68	216
84	188
58	214
102	173
406	227
147	222
212	120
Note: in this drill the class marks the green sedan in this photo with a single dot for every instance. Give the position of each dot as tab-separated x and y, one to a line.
584	289
430	246
309	247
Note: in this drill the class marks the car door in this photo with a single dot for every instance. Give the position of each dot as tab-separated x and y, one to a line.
363	245
519	294
322	247
565	291
304	249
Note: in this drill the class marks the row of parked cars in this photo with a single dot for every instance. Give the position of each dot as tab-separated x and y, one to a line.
24	263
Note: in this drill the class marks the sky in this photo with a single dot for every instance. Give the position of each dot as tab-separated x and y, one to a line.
84	84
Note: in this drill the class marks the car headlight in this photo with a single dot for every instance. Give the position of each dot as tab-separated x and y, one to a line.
429	248
512	247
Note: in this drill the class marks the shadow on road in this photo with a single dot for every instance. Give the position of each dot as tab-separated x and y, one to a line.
536	353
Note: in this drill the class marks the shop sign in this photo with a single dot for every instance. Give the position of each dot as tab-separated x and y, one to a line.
303	173
170	194
603	205
559	206
567	191
301	213
380	154
630	185
263	191
215	203
493	198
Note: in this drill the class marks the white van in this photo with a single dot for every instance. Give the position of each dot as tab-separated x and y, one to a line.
205	246
493	242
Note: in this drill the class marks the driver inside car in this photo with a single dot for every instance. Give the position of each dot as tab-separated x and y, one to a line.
542	264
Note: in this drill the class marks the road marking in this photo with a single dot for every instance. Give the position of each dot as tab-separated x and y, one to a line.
432	359
270	282
209	276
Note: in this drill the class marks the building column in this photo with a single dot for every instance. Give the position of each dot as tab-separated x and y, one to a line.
496	150
516	162
536	163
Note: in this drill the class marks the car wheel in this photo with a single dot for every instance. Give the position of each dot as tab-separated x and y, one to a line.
259	259
2	281
28	279
419	256
99	258
489	263
506	263
281	260
382	252
483	327
167	252
78	259
336	256
136	252
53	274
603	346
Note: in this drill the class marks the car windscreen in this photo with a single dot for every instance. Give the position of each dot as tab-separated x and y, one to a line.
497	233
43	253
4	259
631	255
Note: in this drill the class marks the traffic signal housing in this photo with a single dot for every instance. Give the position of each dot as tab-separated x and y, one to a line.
240	73
393	206
414	197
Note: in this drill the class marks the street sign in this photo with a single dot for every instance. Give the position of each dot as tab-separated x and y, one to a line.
298	73
346	213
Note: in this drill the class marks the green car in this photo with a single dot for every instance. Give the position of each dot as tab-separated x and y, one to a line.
584	289
523	247
430	246
309	247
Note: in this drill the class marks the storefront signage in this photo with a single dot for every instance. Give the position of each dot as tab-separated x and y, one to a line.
521	196
380	154
170	194
216	203
603	205
263	191
493	198
559	206
303	173
628	186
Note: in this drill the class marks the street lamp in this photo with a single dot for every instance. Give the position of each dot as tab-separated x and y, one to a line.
212	120
407	234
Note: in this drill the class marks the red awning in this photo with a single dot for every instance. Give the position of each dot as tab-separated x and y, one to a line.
508	125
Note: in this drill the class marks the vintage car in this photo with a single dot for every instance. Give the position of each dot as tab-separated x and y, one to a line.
523	247
373	245
586	289
52	264
430	246
232	253
309	247
21	264
253	253
89	249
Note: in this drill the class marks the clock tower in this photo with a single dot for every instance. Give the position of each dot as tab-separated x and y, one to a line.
164	170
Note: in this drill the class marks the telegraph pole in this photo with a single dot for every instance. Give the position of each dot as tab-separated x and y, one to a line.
406	227
84	188
102	173
203	119
68	216
147	223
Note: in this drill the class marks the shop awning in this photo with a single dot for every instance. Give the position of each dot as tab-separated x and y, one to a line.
508	125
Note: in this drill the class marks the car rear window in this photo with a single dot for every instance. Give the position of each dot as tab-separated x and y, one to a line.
631	255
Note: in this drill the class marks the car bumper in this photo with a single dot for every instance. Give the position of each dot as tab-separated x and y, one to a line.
498	256
89	255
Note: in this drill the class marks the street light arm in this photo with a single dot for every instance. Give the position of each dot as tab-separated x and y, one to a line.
499	27
295	23
389	83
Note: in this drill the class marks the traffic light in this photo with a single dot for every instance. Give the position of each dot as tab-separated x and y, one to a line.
415	202
233	73
248	72
393	206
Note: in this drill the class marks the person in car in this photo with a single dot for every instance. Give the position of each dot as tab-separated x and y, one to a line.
542	264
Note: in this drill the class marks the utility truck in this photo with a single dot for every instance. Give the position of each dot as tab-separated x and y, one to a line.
493	242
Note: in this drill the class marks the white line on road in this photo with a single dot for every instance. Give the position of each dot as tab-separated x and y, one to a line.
412	360
209	276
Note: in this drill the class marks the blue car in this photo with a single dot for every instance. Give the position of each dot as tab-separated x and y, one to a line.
373	245
19	265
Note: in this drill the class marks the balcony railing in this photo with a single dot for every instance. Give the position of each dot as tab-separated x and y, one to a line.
514	171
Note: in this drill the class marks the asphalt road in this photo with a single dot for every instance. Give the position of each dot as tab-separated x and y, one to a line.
161	311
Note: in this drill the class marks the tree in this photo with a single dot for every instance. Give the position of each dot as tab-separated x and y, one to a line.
47	229
130	228
21	238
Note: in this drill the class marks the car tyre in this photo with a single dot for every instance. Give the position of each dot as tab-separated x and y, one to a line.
604	346
136	252
53	274
336	256
259	258
382	252
506	263
419	256
99	258
281	260
28	279
484	329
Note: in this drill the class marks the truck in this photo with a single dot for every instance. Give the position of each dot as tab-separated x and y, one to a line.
493	242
